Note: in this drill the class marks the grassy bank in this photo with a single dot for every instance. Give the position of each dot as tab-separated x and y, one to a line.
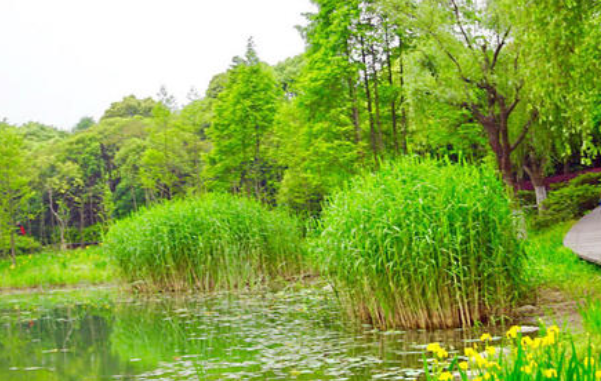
552	265
50	269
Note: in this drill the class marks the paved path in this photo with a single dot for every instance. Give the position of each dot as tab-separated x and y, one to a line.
585	237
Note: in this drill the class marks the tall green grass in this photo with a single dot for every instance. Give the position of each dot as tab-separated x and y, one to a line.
422	244
210	242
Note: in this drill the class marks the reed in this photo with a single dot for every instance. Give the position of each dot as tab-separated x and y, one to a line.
212	242
421	244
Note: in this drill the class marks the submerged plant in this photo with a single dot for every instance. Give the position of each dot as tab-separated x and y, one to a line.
210	242
422	244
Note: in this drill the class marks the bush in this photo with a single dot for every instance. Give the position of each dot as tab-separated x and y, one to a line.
571	201
210	242
422	244
23	245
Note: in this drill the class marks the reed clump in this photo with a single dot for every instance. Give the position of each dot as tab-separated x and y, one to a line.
211	242
422	244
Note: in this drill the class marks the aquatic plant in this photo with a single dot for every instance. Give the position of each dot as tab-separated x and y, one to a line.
550	356
215	241
422	244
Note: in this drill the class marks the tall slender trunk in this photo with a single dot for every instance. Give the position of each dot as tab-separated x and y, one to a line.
393	112
379	139
81	223
13	251
402	102
372	128
356	117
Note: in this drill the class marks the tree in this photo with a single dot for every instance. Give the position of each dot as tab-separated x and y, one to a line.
14	183
243	118
130	106
471	56
84	123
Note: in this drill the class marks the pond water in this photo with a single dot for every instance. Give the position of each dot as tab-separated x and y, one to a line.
291	335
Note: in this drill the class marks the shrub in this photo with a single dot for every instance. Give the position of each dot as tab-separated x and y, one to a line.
421	244
571	201
23	245
210	242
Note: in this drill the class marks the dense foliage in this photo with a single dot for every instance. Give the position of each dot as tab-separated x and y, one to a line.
209	242
571	200
506	82
422	244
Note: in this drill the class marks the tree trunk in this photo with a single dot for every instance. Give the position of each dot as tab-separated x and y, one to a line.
13	251
59	220
81	223
356	118
372	128
379	138
393	112
535	168
402	101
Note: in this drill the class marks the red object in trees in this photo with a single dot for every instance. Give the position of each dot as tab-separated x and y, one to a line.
22	229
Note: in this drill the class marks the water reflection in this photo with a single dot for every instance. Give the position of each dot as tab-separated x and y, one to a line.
102	335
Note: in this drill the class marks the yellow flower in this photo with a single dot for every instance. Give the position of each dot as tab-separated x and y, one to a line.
442	354
527	369
493	365
433	347
589	361
445	376
487	376
550	373
486	337
464	365
553	329
491	351
513	332
548	340
598	375
527	341
470	352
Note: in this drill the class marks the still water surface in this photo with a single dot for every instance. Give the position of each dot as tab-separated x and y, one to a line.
291	335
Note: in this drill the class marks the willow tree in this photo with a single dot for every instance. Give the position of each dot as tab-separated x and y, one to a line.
472	57
561	61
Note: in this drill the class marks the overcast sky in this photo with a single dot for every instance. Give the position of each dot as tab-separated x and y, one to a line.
64	59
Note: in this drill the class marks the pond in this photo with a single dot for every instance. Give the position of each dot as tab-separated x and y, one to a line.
289	335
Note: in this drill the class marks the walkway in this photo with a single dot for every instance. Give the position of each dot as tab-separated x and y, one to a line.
585	237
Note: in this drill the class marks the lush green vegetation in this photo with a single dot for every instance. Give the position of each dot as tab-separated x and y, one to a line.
552	265
76	267
379	79
422	243
215	241
550	356
505	84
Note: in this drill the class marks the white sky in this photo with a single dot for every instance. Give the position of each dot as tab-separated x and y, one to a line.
64	59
